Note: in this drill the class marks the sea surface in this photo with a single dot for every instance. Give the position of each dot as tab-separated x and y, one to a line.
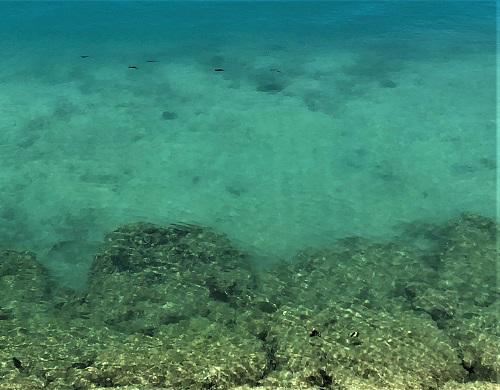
282	124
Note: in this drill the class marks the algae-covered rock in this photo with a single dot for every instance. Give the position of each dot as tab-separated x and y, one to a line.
471	386
200	356
321	289
139	246
195	355
453	336
147	276
180	308
334	347
469	260
22	278
355	270
39	353
464	301
24	298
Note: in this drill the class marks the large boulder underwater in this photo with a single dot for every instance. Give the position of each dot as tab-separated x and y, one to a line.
181	307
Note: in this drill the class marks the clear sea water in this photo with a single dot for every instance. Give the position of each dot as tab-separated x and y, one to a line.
329	119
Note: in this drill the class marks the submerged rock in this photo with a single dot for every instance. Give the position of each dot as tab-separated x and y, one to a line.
179	307
25	285
147	276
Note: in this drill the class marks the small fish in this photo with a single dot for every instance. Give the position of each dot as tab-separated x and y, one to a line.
275	70
353	334
218	70
84	56
132	67
17	363
315	333
151	61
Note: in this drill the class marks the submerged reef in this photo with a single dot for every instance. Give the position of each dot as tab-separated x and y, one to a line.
180	307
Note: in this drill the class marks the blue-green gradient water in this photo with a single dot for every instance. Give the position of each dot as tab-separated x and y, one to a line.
325	119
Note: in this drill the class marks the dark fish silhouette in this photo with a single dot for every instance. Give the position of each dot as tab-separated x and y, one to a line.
132	67
84	56
151	61
17	363
218	70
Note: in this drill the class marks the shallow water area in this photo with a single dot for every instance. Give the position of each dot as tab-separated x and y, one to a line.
238	157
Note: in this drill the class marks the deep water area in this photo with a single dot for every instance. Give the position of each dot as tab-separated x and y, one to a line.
248	194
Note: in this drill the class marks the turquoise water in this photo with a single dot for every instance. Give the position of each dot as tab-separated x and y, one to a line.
248	195
329	119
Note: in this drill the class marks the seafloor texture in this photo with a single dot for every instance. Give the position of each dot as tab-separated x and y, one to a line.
180	307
